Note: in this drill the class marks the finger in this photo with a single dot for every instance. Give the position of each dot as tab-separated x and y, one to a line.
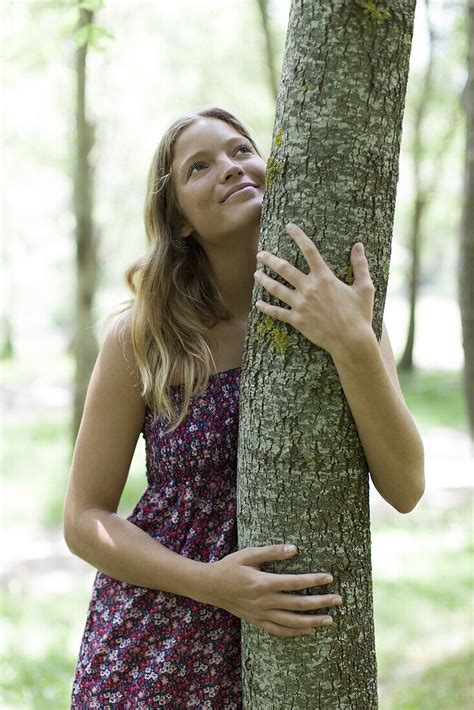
295	602
283	314
360	266
282	267
259	555
296	582
284	631
285	294
303	621
308	247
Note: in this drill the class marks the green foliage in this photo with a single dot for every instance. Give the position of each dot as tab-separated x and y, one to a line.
91	34
91	5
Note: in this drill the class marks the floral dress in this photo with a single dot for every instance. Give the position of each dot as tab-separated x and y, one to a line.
144	648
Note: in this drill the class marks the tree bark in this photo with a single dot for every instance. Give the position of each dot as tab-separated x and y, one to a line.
302	473
466	260
84	344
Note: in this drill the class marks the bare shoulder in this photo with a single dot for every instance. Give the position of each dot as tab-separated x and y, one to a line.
119	335
118	368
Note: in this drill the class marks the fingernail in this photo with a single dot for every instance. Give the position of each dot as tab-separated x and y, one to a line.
359	247
290	549
326	622
327	579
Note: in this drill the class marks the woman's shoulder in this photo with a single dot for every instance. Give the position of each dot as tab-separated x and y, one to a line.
118	343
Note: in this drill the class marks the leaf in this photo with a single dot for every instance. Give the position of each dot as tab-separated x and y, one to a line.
97	34
91	34
92	5
81	36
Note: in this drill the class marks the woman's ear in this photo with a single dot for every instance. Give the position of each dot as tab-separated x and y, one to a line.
185	230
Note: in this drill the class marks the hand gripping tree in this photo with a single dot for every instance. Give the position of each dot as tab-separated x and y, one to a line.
302	472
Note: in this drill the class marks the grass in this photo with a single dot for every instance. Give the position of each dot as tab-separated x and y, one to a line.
423	580
435	398
39	646
444	685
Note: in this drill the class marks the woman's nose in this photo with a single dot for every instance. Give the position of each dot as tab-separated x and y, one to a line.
233	169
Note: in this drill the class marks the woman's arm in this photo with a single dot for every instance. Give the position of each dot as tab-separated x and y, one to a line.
338	317
392	444
110	426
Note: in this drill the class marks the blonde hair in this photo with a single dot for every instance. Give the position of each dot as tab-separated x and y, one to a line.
176	297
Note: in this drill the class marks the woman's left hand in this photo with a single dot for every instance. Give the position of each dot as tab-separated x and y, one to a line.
324	309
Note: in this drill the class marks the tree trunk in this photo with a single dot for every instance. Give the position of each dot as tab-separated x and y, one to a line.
420	199
406	360
269	51
302	473
424	189
84	342
466	261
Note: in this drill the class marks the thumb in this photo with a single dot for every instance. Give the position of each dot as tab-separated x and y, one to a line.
360	266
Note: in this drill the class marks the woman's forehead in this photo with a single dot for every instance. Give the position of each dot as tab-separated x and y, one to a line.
203	132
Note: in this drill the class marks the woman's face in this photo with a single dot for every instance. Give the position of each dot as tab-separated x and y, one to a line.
202	181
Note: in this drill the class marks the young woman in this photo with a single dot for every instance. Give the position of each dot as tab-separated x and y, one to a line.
163	626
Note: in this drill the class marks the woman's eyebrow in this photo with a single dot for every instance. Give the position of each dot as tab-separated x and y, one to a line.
206	152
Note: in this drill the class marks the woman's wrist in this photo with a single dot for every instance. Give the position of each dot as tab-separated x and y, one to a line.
354	347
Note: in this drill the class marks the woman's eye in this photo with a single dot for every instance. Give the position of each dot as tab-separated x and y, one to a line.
246	146
193	166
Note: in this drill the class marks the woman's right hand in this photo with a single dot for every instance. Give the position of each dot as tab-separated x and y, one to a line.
241	588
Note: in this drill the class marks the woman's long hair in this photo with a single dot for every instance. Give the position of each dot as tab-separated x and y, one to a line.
176	299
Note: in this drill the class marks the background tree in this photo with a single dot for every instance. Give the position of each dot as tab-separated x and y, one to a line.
422	151
269	48
84	344
466	260
302	473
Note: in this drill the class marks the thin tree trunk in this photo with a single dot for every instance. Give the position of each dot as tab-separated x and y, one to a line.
466	260
406	361
269	51
420	201
302	473
84	341
424	190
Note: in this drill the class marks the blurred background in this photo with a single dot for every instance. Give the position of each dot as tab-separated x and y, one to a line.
71	225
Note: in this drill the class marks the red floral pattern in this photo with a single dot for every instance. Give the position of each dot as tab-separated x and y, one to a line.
144	648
